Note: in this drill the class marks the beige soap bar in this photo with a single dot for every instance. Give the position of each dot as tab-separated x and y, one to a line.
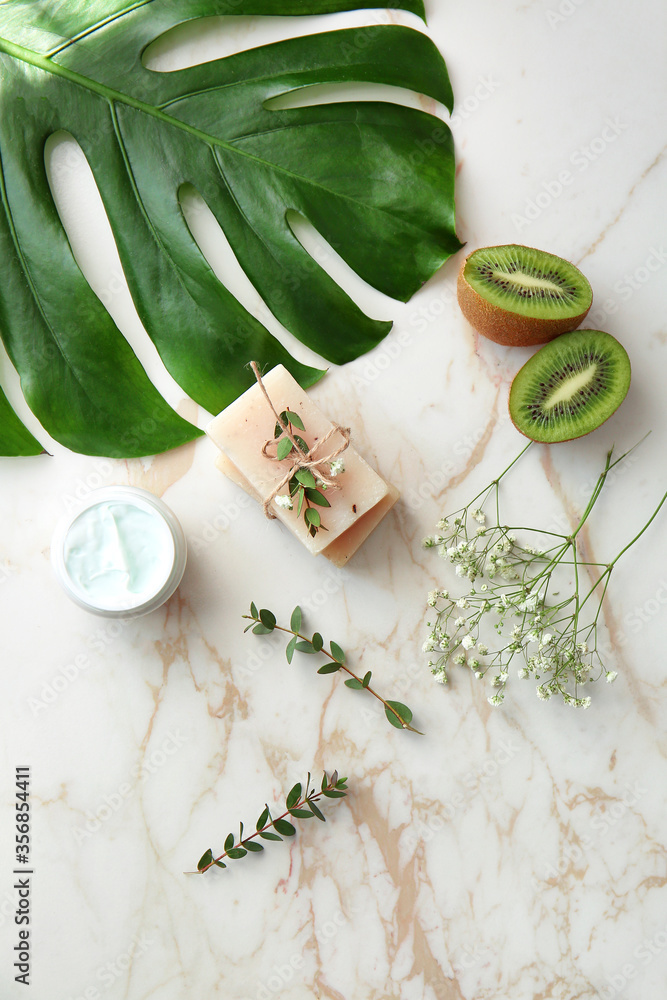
240	432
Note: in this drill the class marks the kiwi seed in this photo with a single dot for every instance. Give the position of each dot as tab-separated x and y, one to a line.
520	296
570	386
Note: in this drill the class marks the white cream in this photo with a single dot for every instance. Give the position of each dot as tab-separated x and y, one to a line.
118	555
122	555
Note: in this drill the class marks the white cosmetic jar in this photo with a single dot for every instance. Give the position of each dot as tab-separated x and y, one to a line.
122	554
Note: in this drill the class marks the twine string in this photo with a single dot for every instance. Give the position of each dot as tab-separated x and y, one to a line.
302	459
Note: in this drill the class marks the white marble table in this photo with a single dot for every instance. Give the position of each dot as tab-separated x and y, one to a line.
514	852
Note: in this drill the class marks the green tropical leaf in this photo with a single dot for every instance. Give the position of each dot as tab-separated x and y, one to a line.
375	179
15	437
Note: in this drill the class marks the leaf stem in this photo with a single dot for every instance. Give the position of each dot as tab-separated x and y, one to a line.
304	800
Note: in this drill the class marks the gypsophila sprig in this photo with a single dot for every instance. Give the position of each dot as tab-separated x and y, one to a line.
264	622
298	804
545	634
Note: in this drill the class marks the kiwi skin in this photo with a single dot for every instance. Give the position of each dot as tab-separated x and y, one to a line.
503	327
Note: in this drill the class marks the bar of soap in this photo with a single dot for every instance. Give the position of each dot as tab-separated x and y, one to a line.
241	431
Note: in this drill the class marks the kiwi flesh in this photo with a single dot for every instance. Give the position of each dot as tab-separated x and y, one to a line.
570	386
520	296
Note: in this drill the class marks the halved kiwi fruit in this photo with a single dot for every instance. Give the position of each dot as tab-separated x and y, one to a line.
570	386
520	296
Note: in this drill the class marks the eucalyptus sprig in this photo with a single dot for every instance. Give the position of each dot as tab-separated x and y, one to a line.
304	487
298	804
549	632
264	622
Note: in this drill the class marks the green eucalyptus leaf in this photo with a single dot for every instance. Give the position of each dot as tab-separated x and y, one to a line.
356	171
302	444
316	811
284	448
317	642
219	864
267	835
229	841
313	517
263	819
295	420
295	620
282	826
294	796
354	684
289	649
205	860
304	646
337	652
260	629
236	853
300	504
403	711
367	679
305	477
329	668
331	793
253	846
301	813
268	619
317	498
253	610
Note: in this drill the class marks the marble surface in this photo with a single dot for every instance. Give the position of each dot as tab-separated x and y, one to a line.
513	852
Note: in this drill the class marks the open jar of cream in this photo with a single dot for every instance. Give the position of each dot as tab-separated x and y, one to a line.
122	554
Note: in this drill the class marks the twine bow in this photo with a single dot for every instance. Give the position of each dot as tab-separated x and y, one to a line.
301	459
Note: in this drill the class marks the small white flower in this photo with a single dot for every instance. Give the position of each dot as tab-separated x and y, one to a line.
495	699
543	693
516	632
432	598
429	646
441	676
584	703
467	642
462	603
582	648
610	676
479	516
479	675
523	673
336	467
444	594
483	650
443	524
473	664
460	571
284	502
459	623
484	588
460	659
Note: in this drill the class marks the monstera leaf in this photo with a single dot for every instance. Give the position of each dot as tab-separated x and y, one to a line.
374	178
